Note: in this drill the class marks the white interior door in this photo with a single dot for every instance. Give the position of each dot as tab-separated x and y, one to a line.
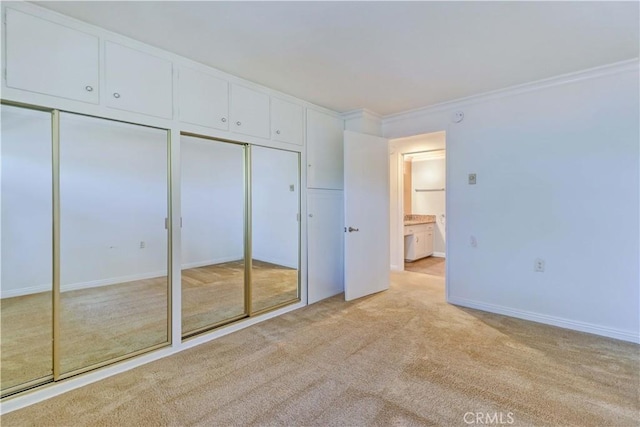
366	210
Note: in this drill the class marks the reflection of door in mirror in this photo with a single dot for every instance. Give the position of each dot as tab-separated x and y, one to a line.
213	212
275	231
26	250
113	241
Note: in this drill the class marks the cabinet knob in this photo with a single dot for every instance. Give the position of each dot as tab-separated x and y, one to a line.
310	215
116	95
278	132
88	88
238	123
223	120
309	165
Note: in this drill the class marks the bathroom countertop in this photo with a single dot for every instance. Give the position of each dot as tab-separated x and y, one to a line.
419	219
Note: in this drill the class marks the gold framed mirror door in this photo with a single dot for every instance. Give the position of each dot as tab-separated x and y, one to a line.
114	242
213	197
26	267
85	256
275	228
240	232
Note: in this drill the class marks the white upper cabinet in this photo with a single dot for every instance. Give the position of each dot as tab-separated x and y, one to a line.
203	99
325	157
138	81
48	58
287	121
249	111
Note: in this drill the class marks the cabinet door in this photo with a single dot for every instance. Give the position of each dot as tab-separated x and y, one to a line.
410	248
203	99
138	81
249	111
428	242
287	121
325	157
421	244
325	233
52	59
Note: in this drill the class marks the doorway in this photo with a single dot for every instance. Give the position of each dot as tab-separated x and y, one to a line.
418	204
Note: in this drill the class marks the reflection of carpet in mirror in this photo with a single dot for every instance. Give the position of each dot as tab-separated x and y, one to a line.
101	323
202	305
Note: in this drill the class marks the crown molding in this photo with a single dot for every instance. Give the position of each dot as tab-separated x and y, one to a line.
362	113
591	73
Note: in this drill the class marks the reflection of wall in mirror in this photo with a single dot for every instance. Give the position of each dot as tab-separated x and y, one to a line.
113	197
26	194
212	202
275	207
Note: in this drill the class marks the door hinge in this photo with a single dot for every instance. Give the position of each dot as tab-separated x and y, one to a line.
166	223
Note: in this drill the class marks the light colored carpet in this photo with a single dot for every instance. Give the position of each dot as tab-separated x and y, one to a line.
400	357
102	323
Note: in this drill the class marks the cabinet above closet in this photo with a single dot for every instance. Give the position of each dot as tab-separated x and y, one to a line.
51	59
56	62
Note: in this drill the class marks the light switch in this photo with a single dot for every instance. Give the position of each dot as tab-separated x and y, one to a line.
472	179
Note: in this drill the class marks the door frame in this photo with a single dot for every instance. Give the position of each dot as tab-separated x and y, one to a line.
399	147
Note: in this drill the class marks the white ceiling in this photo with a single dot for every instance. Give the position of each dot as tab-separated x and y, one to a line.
387	57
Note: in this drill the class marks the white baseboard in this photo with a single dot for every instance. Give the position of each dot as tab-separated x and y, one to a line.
548	320
281	262
110	281
211	261
438	254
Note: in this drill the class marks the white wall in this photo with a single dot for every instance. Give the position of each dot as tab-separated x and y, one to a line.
430	174
212	202
275	229
113	196
25	232
557	169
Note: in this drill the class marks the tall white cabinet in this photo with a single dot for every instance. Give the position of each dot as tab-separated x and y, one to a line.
325	205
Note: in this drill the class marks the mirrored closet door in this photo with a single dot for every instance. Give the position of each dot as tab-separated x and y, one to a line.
275	228
114	288
213	233
26	251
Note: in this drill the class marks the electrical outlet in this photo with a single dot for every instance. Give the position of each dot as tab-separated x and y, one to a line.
538	265
472	179
143	245
473	241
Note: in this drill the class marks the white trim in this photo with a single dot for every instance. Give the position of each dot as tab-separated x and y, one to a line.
110	281
438	254
591	73
212	261
548	320
48	391
361	113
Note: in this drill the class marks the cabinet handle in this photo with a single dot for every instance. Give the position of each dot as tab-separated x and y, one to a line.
223	120
88	88
417	239
238	123
278	132
310	215
116	95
